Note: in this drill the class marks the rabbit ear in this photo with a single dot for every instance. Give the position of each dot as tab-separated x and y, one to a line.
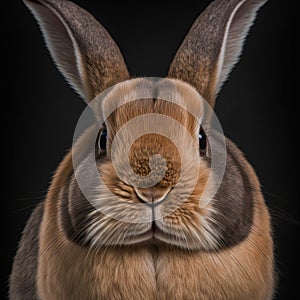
214	44
81	48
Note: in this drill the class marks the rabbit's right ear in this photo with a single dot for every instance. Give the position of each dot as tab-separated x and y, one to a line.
81	48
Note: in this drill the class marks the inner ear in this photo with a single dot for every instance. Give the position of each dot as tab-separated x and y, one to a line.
80	46
237	29
61	43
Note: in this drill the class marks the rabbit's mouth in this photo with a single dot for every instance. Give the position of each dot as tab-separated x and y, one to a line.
155	236
160	235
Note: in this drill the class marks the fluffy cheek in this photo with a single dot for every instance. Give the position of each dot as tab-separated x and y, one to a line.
189	225
120	218
180	220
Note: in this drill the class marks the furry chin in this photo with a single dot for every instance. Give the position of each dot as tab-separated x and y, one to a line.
154	236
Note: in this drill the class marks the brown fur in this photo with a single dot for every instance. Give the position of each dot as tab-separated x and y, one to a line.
68	271
101	63
250	258
223	250
198	59
23	277
76	212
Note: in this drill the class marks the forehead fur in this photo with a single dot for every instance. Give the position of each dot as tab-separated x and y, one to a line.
139	96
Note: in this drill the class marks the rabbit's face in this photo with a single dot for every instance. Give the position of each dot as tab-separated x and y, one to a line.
155	166
168	209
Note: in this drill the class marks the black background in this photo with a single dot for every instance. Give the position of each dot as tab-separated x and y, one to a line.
257	108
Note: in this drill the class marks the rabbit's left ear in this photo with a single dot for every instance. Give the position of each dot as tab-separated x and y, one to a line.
81	48
213	45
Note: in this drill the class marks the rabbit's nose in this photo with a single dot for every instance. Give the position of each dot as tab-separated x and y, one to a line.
152	195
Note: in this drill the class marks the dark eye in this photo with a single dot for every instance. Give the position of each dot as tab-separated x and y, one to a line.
101	141
202	141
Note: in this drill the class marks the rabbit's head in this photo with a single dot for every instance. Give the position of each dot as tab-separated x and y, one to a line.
156	154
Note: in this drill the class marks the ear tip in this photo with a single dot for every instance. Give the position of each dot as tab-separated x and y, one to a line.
31	3
259	3
26	2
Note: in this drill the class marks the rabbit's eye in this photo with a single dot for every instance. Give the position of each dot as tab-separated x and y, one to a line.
101	142
202	142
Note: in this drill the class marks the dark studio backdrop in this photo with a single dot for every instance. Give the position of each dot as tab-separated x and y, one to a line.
256	107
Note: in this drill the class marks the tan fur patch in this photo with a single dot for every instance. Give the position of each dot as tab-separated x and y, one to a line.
155	271
67	271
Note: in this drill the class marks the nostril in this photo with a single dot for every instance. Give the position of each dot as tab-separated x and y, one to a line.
152	195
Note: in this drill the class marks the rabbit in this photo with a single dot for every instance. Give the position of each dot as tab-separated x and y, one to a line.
222	250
